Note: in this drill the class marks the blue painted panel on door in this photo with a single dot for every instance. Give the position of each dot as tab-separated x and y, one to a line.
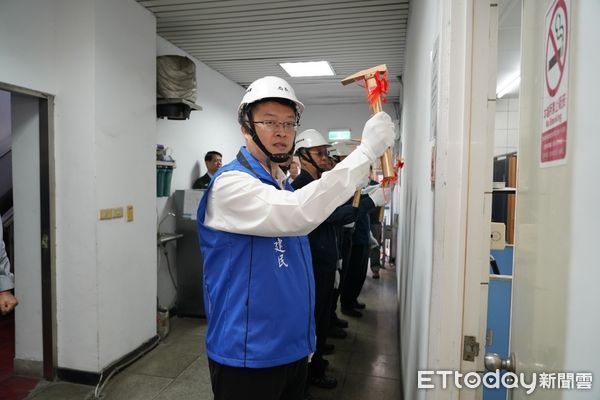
498	322
504	259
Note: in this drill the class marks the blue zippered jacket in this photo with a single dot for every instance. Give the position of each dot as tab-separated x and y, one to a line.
260	312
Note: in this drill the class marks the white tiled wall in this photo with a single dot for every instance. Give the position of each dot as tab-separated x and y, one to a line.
506	138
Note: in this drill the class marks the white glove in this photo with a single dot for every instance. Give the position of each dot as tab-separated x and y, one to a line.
370	189
377	135
372	241
380	196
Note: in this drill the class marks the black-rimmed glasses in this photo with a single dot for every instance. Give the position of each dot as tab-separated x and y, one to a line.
273	125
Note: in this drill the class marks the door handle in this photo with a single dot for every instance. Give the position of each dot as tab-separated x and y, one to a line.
494	362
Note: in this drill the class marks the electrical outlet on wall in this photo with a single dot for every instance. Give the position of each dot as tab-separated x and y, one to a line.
129	213
117	212
106	213
497	236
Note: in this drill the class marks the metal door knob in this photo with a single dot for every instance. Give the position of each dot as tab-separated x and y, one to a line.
494	362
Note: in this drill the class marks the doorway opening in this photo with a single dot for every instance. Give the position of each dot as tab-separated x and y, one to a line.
25	140
504	189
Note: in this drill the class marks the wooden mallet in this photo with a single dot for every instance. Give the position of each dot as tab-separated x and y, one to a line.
376	84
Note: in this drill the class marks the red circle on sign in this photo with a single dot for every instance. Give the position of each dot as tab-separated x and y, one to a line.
561	65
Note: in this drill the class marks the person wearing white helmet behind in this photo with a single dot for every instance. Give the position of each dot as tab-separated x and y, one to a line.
312	149
252	227
340	150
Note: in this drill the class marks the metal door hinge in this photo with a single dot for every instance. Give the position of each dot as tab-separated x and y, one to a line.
45	241
470	348
489	337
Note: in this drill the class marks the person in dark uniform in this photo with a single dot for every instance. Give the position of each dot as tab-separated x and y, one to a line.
213	161
359	256
311	148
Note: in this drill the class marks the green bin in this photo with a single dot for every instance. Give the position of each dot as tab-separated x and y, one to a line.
160	181
167	181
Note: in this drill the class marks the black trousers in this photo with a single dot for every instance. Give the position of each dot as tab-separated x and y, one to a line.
355	278
324	281
345	253
284	382
375	252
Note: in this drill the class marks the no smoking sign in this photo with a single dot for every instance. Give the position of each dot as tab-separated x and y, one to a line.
556	47
553	146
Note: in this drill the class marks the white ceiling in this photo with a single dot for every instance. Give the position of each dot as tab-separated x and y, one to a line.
245	40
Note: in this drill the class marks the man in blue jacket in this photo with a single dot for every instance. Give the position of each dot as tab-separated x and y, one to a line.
252	227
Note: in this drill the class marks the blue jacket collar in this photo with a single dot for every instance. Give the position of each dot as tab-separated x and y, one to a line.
250	162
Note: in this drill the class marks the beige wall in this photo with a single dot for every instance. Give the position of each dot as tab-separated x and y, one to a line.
555	271
97	58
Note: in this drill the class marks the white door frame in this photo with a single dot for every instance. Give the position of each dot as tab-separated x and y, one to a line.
462	209
481	152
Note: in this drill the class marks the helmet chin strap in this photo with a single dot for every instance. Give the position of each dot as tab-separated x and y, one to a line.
303	155
277	158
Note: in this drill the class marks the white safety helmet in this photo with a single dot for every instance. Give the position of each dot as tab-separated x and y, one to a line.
268	86
310	138
341	149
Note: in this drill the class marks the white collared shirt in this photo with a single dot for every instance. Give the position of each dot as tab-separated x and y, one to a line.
240	203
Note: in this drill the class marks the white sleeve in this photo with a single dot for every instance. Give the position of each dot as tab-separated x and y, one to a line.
240	203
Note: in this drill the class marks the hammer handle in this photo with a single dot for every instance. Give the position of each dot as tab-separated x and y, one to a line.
356	199
387	165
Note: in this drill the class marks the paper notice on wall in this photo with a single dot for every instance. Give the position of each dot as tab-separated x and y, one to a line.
191	199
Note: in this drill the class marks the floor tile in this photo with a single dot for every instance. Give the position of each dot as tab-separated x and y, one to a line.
365	363
360	387
376	344
131	386
62	391
377	365
339	361
163	362
193	383
186	326
190	344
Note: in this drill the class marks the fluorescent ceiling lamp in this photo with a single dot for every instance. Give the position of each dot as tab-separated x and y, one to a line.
508	85
340	134
311	68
